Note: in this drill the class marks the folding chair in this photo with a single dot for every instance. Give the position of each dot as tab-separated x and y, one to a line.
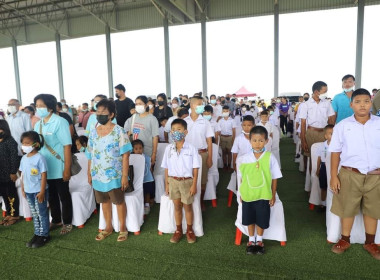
212	177
159	172
315	190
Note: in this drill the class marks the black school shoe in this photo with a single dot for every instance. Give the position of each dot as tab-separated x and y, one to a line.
260	248
31	242
41	241
251	248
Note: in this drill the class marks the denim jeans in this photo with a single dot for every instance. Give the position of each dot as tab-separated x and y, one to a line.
40	214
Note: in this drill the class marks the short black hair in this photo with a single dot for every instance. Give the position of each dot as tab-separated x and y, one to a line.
270	108
180	122
102	96
35	137
346	77
264	113
163	118
85	104
30	108
120	87
259	130
329	126
137	142
212	95
318	86
225	107
249	118
360	91
4	126
59	105
49	100
197	97
83	140
183	111
109	105
143	98
208	108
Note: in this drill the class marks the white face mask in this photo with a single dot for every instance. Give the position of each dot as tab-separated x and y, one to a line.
140	109
225	114
323	96
252	110
27	149
12	109
150	106
243	109
349	89
64	110
174	105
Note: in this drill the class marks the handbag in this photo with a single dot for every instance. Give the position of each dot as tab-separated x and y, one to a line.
130	180
75	167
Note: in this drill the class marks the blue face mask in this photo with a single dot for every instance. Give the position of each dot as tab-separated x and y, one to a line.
200	109
177	136
42	112
95	103
207	117
259	151
213	101
83	149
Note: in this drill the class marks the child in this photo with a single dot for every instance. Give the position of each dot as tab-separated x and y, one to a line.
208	115
264	121
227	136
34	186
161	130
181	165
274	115
321	165
355	147
259	171
81	143
148	183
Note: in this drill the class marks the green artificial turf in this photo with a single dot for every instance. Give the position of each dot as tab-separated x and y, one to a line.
150	256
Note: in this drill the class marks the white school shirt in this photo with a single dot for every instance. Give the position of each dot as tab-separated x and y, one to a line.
273	165
291	114
217	111
168	127
268	126
226	126
182	164
198	131
241	145
322	151
215	126
274	119
316	114
358	144
298	120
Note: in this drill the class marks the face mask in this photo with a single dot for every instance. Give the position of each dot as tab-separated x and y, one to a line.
259	151
227	98
12	109
306	98
177	136
252	110
200	109
323	96
184	101
27	149
243	109
117	95
83	149
174	105
42	112
160	103
64	110
271	113
225	114
233	100
207	117
246	133
140	109
349	89
150	106
102	119
96	103
63	103
2	135
84	110
213	101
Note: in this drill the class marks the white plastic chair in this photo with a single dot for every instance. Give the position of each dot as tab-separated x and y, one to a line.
276	230
308	176
315	190
133	200
220	158
212	177
82	194
166	221
24	209
159	172
276	144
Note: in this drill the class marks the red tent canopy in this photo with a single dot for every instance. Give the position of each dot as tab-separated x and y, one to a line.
243	92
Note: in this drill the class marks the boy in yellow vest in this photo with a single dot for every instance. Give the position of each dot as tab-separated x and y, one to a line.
259	171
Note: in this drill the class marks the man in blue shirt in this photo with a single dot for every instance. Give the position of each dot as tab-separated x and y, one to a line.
341	101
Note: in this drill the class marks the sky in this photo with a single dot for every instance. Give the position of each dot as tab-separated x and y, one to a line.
314	46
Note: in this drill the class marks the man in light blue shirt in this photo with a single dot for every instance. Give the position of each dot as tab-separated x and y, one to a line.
341	101
19	122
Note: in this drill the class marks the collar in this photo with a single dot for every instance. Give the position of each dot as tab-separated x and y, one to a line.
189	118
18	114
371	118
52	118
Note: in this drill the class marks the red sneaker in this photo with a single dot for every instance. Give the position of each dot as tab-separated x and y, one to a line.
340	247
176	237
373	249
191	238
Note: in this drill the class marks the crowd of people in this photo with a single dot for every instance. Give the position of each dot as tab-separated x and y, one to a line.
39	142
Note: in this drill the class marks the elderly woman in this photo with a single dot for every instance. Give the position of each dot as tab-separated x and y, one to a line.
57	152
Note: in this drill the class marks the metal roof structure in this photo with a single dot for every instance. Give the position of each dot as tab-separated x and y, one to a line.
35	21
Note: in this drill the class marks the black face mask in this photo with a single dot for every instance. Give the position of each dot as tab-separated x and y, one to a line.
227	98
2	135
184	101
160	103
102	119
180	98
117	95
306	98
233	100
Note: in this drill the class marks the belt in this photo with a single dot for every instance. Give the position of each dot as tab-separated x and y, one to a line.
373	172
226	135
201	151
181	178
315	128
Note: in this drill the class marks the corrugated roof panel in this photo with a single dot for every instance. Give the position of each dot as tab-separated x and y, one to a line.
227	9
292	6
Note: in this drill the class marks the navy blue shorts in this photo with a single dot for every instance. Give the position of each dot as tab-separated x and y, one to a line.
149	188
256	213
323	176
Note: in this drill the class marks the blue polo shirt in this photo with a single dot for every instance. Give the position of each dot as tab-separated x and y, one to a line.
341	106
56	134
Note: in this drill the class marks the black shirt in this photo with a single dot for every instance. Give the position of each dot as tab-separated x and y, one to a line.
66	117
9	159
123	110
160	113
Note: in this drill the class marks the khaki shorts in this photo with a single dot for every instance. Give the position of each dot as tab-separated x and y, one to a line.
204	170
115	195
226	142
313	137
180	190
357	191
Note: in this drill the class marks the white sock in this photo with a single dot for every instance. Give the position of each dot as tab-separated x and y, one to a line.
252	239
323	203
147	204
259	238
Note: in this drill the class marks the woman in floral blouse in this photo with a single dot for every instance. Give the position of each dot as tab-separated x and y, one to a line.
108	153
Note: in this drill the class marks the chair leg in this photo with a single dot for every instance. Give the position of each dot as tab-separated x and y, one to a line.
311	206
95	211
238	237
230	196
29	219
160	233
283	243
4	214
214	203
137	233
81	226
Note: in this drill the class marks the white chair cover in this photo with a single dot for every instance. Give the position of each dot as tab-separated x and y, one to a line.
166	221
24	209
301	167
220	158
213	175
133	200
232	184
82	194
276	230
315	190
308	177
159	172
333	224
276	144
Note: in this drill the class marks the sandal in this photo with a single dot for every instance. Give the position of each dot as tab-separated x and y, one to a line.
122	236
11	221
66	229
54	226
4	221
102	235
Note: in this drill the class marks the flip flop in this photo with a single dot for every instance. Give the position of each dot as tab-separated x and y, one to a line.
66	229
102	235
11	221
4	221
122	236
54	226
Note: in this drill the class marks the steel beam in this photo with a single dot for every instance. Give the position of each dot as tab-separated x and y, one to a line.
109	61
204	54
167	58
59	65
171	9
359	44
16	69
276	48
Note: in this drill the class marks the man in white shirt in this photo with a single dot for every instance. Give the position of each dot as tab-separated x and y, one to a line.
19	122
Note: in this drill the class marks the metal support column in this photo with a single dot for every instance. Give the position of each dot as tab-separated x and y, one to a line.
359	43
167	58
276	48
16	69
204	54
109	61
59	65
